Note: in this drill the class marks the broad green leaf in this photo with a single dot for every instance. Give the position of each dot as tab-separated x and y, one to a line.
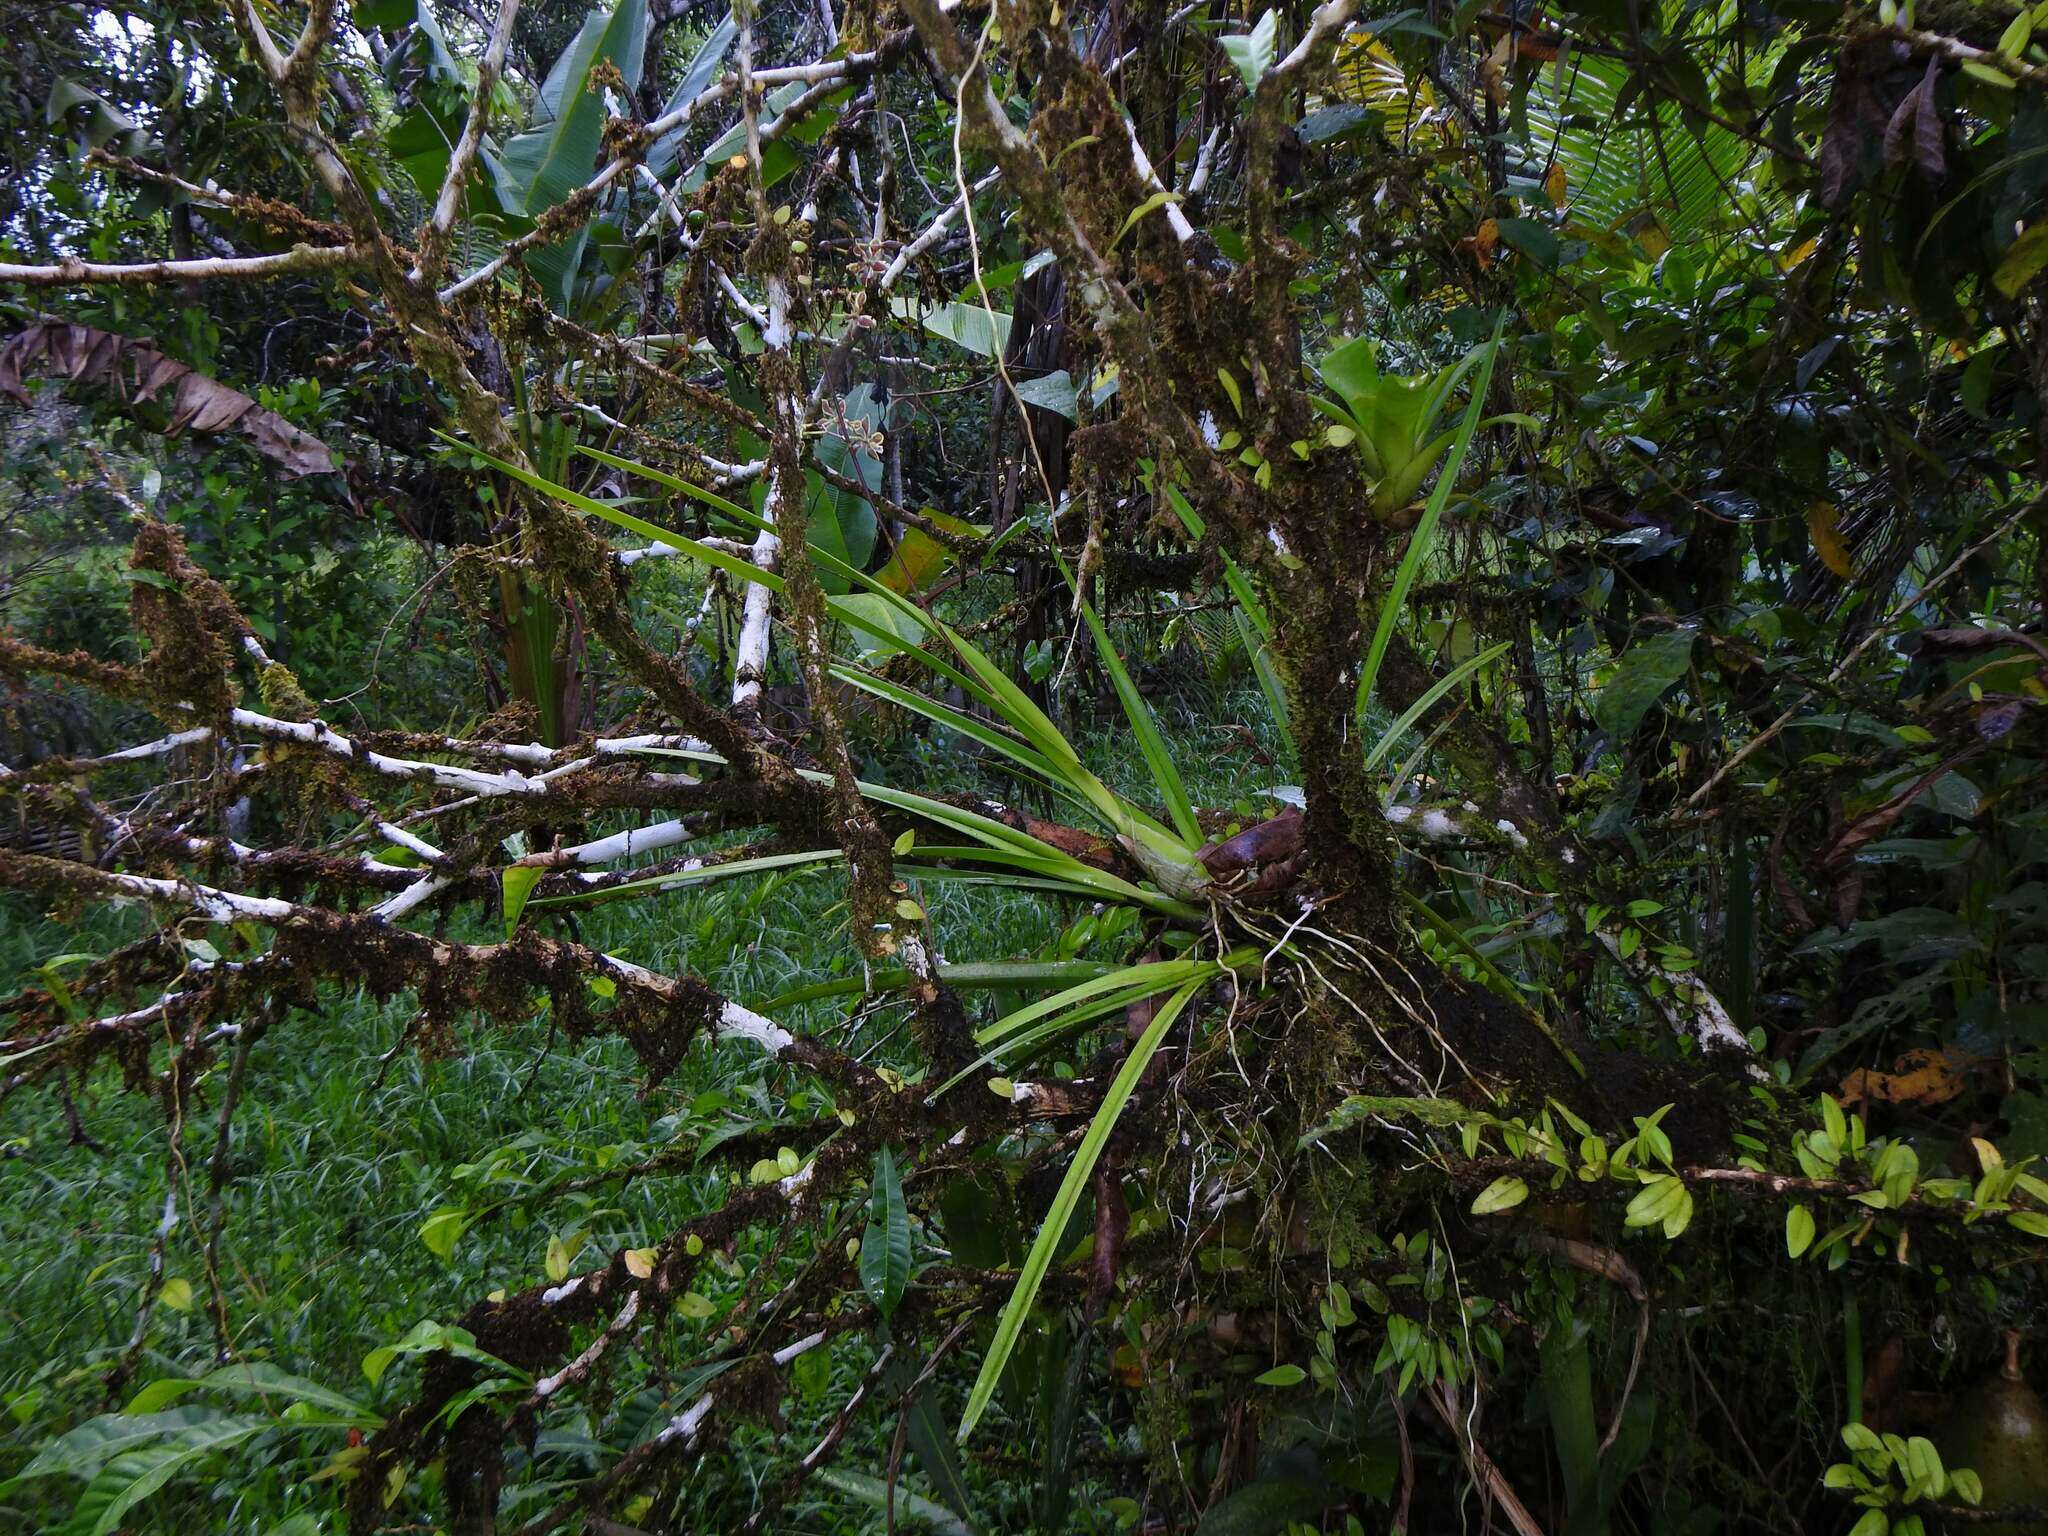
133	1476
257	1379
1535	240
1503	1194
983	331
1566	1378
1053	392
1646	672
886	633
2023	260
559	150
697	77
1156	200
1655	1201
914	1512
924	1434
429	1337
1253	52
1269	1507
1282	1376
885	1244
518	881
443	1230
778	159
918	557
81	1452
841	523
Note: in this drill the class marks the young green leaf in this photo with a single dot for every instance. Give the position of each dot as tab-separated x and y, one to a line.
1165	776
1503	1194
443	1230
518	882
1253	52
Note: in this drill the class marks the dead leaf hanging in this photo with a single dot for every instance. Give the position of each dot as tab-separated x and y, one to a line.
1916	125
135	372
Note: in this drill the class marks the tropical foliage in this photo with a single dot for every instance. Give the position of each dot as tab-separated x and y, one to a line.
987	766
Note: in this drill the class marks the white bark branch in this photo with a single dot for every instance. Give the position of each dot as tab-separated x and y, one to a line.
463	160
72	273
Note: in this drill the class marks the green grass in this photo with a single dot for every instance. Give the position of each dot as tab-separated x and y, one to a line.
340	1155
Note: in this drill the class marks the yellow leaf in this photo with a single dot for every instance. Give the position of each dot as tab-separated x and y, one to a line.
919	558
640	1262
1555	184
342	1462
1493	70
177	1295
2023	260
1648	231
1821	520
1503	1194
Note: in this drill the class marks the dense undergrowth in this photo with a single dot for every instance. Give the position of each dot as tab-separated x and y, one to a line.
362	1139
999	766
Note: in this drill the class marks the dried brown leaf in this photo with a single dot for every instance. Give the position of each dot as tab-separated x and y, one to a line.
135	373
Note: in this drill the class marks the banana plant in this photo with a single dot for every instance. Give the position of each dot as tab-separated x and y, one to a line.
543	166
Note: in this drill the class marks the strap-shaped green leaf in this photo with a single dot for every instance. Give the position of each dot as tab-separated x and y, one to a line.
1425	531
1043	1249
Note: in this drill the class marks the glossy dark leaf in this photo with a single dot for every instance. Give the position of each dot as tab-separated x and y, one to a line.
885	1244
1646	672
